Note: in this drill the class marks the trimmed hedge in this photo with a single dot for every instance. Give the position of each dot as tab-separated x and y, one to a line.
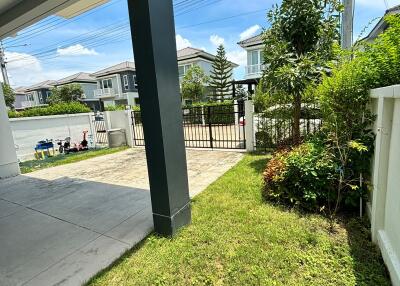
214	113
56	109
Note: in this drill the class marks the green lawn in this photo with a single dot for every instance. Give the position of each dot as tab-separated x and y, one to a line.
237	239
34	165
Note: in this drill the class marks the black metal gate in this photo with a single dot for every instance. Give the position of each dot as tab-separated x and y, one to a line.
214	126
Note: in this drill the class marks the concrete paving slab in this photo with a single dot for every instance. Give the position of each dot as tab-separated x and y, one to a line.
31	241
132	230
97	206
7	208
83	264
62	225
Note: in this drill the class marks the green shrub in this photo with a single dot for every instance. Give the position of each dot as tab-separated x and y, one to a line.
303	176
115	107
214	113
56	109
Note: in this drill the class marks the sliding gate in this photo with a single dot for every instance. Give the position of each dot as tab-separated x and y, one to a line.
215	127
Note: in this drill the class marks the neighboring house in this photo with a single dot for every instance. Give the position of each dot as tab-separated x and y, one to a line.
88	85
254	47
382	25
117	85
23	99
188	57
40	92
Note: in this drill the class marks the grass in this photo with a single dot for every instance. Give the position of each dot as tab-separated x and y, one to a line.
238	239
35	165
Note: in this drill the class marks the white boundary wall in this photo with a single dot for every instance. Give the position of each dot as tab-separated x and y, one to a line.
385	207
27	131
120	119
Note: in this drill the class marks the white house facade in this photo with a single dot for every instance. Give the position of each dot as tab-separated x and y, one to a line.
254	47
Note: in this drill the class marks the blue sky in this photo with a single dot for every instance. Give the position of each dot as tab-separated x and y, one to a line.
99	38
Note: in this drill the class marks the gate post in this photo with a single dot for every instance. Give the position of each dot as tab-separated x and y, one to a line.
249	125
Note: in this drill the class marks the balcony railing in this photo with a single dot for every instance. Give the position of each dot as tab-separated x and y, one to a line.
255	69
103	93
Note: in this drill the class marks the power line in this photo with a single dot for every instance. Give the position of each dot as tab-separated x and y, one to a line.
222	19
62	23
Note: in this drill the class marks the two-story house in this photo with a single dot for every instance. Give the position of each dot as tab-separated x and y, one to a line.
188	57
254	47
88	85
117	85
40	92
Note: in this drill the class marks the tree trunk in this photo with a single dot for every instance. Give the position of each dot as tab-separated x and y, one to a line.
296	119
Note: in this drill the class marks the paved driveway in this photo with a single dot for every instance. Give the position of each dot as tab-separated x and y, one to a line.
62	225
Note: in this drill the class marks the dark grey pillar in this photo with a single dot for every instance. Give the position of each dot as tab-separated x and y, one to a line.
153	35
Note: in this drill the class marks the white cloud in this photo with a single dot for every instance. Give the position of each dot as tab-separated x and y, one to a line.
238	57
216	40
249	32
182	43
24	70
76	50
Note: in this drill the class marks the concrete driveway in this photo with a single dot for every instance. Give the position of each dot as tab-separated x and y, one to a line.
62	225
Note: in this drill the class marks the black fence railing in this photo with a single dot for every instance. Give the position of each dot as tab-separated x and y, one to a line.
214	126
274	128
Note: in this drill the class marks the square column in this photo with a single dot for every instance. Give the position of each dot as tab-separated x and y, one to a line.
153	35
9	166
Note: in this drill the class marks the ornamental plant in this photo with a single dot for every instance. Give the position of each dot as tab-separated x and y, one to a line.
221	75
298	47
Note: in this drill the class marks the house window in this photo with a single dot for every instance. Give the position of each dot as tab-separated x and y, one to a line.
126	83
135	84
29	97
253	58
183	69
107	83
40	96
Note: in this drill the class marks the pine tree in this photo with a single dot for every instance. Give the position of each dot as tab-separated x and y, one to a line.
221	74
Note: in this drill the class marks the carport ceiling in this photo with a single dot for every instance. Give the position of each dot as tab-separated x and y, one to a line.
16	15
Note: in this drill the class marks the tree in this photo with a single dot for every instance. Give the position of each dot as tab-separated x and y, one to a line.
193	83
9	95
221	74
298	48
66	93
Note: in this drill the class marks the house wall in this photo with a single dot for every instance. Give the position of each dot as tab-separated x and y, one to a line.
131	85
385	210
19	98
28	131
88	89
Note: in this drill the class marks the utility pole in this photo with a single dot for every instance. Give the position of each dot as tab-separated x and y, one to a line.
3	65
347	24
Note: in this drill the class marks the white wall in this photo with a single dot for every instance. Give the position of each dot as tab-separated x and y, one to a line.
8	160
120	119
385	210
28	131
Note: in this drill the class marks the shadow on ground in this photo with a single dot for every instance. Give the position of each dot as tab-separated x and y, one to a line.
368	262
64	231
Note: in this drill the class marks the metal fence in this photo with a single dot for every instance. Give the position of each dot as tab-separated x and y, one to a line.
274	128
100	128
214	127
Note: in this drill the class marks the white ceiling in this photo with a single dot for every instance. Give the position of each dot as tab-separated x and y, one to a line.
16	15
